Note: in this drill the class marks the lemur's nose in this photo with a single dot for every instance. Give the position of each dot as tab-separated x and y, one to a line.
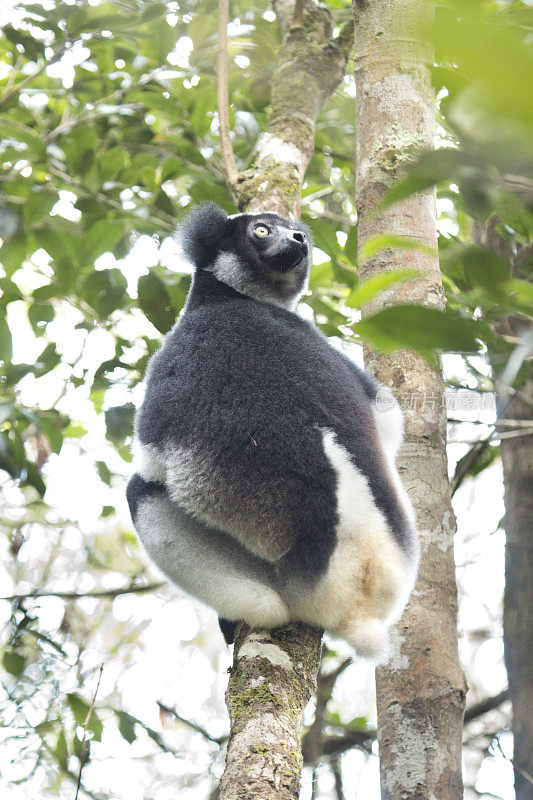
298	237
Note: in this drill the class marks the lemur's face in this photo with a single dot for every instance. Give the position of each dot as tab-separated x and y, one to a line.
279	244
261	255
265	256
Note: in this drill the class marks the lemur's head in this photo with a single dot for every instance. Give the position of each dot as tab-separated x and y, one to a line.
260	255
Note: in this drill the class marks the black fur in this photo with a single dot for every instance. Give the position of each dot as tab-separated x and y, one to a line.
227	628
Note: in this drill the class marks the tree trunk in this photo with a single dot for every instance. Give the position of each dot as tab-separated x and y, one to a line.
517	462
421	692
274	672
517	459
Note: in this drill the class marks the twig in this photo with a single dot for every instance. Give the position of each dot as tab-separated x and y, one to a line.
193	725
478	709
84	748
228	159
99	593
103	198
9	95
335	767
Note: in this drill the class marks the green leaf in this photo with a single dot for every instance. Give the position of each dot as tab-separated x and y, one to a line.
79	146
391	241
6	345
79	707
350	247
48	358
126	726
13	253
153	11
155	302
80	710
39	204
13	663
324	236
104	290
33	48
39	314
101	237
371	287
104	472
170	107
61	751
23	133
119	422
423	330
430	168
484	268
34	478
112	162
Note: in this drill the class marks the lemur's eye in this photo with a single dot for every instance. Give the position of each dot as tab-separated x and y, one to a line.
261	230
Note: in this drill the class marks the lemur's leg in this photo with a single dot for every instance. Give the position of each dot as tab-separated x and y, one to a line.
368	576
204	562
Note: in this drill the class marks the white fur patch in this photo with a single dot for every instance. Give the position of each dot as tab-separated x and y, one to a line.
228	269
369	577
197	560
356	506
389	421
149	462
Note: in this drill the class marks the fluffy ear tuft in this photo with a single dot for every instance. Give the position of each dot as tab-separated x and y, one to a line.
201	233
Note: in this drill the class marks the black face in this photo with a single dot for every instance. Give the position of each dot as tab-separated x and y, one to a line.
262	255
281	244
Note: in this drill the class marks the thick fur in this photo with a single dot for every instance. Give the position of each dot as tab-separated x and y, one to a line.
266	483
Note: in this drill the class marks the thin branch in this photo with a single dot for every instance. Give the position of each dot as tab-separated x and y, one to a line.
10	94
345	39
228	158
462	469
99	593
84	750
103	198
312	740
336	769
478	709
193	725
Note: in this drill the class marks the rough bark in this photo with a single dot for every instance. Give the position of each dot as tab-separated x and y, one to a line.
517	459
517	462
421	692
274	673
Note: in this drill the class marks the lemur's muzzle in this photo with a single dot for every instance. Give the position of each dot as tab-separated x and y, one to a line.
295	249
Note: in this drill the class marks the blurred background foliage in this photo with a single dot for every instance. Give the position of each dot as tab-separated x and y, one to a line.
109	134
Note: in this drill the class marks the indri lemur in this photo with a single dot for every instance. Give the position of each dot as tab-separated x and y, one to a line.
265	480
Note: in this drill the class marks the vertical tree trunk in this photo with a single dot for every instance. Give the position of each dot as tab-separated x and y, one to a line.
517	459
274	673
517	462
421	692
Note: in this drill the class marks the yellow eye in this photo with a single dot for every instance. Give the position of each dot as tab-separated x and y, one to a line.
261	230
